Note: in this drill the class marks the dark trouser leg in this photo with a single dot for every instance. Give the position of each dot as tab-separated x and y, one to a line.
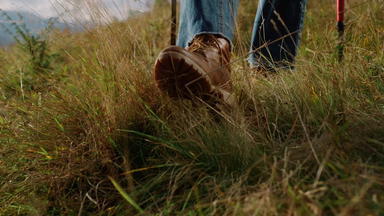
280	21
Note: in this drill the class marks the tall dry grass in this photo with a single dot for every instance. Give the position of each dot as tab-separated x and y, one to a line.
302	142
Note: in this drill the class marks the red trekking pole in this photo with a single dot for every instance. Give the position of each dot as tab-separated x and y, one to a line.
340	28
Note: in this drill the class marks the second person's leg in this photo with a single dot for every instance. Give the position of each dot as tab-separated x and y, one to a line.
276	33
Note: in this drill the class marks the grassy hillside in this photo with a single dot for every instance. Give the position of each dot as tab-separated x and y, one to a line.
84	130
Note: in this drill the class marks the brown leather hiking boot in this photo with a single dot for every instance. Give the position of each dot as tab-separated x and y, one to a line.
201	70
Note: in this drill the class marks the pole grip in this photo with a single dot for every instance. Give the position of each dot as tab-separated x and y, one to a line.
340	27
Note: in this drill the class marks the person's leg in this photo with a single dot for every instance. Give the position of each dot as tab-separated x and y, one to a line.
206	17
199	65
280	22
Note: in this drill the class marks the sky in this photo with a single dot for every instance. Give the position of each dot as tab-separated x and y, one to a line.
68	8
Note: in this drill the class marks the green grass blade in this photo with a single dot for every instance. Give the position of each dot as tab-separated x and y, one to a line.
126	196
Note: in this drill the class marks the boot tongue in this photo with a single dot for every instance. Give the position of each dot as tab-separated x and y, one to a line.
211	46
204	42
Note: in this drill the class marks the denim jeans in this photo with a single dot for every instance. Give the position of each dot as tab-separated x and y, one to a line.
276	30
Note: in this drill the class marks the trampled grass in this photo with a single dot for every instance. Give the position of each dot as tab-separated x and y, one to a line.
302	142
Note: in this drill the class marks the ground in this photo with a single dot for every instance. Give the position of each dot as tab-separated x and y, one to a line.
85	131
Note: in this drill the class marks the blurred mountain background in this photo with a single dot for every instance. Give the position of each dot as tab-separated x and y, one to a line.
36	14
33	22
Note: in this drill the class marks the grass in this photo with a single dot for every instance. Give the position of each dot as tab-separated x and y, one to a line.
303	142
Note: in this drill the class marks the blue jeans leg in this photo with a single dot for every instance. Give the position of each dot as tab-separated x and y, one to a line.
276	32
206	17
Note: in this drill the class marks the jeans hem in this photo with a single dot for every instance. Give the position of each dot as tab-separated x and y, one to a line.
258	62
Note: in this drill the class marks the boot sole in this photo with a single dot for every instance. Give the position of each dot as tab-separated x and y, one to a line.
180	76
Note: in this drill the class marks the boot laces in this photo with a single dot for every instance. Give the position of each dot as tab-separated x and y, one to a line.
202	42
